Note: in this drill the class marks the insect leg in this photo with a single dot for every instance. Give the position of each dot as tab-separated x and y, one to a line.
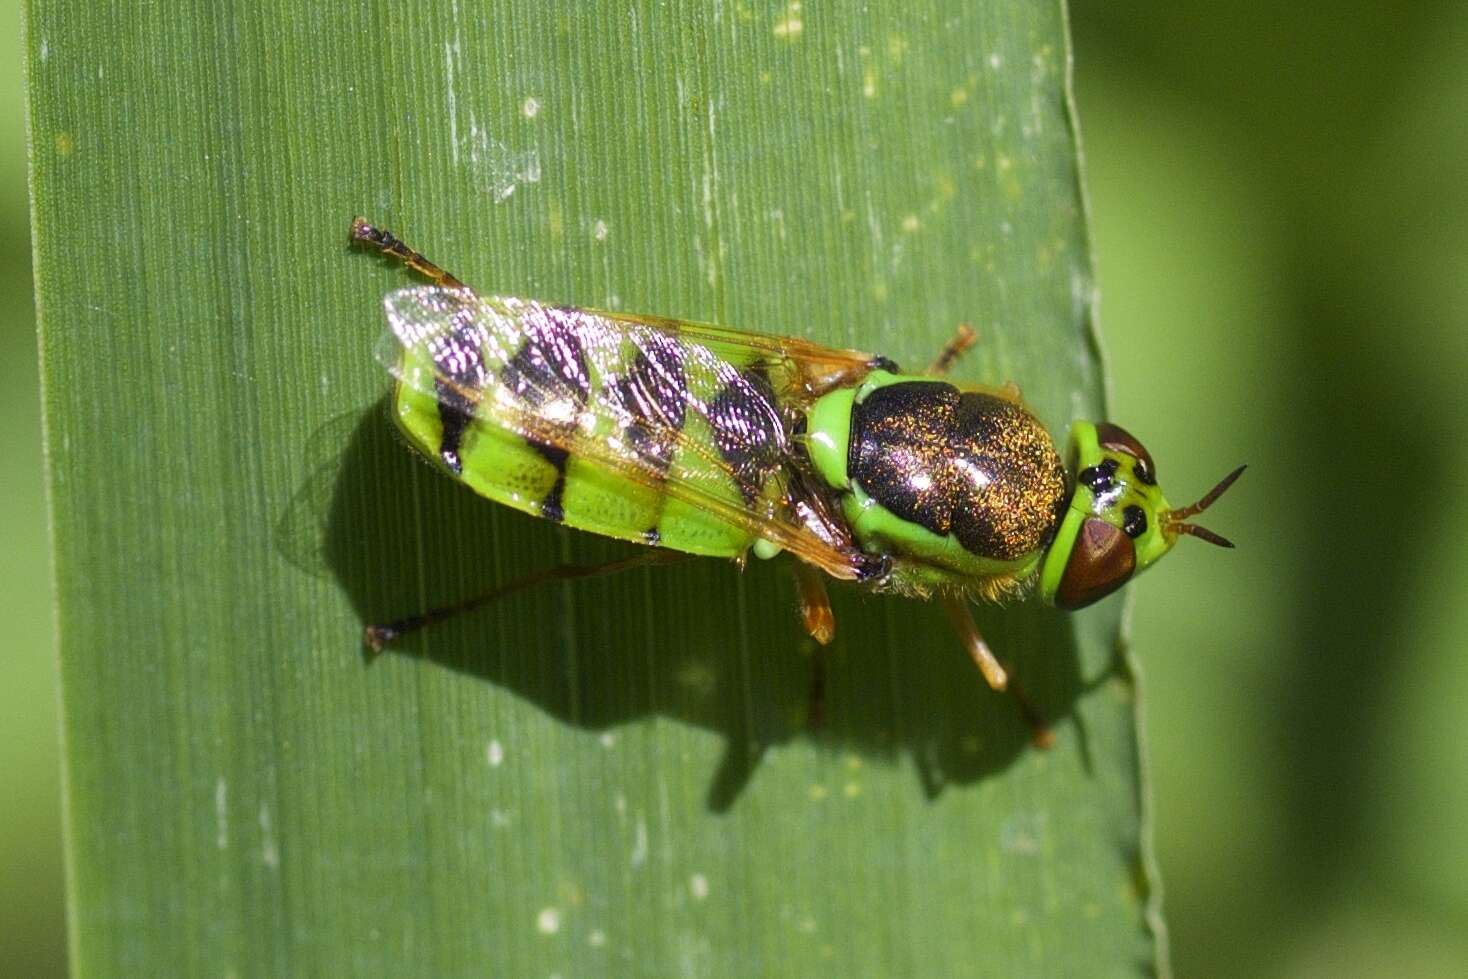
820	623
973	643
993	670
375	637
387	243
815	604
963	339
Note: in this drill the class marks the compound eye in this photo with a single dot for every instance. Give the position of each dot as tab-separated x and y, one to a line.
1118	439
1099	478
1101	561
1134	521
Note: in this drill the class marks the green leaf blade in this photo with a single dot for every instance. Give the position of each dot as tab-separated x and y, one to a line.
610	778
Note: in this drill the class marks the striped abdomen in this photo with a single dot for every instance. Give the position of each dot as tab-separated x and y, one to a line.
622	428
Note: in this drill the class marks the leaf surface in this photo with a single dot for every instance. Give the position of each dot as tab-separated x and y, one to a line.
607	777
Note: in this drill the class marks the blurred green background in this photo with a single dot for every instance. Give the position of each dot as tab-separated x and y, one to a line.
1281	231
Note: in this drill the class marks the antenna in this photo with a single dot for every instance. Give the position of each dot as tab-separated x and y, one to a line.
1173	520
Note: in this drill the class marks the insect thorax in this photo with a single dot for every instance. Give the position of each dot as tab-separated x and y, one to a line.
964	485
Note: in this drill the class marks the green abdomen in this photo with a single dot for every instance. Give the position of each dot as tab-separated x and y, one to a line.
561	485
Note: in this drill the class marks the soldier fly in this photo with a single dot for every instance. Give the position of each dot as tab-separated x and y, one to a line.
695	439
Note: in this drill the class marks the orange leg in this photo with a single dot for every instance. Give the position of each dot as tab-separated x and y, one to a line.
968	633
963	339
815	604
820	623
385	242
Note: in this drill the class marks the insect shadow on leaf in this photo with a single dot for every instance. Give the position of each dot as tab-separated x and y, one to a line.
702	642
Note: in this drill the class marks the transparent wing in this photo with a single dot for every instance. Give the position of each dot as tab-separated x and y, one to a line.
692	410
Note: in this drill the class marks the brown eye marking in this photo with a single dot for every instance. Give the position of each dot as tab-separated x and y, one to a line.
1101	561
1118	439
1134	521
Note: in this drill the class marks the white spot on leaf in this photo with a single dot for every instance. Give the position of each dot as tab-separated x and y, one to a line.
494	167
639	843
790	26
269	849
221	814
1023	833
